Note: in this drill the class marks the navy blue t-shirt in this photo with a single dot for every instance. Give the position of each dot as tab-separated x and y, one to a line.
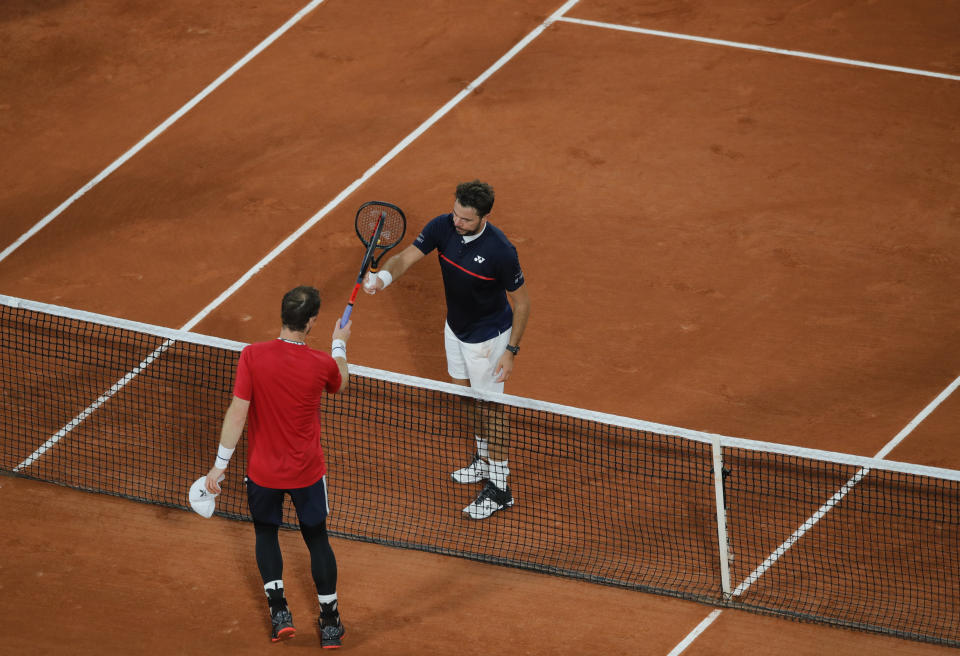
476	277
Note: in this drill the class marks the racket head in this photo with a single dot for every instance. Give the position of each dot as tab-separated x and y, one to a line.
394	224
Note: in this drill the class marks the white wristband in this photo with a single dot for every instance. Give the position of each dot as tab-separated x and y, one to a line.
223	456
386	277
338	345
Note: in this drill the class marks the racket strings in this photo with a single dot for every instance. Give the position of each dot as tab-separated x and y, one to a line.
394	226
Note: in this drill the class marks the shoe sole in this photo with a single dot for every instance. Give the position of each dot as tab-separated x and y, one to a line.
467	481
477	519
284	634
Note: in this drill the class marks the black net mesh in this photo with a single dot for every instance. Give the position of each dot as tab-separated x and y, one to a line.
118	409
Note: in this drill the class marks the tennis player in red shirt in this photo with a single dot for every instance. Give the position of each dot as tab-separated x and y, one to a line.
277	393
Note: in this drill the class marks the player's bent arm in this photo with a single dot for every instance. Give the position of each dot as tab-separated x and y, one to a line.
338	350
520	300
395	267
399	263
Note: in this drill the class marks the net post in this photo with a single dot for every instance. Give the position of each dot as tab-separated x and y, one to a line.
721	517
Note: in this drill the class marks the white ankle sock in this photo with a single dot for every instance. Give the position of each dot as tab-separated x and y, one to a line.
273	585
499	472
482	447
327	599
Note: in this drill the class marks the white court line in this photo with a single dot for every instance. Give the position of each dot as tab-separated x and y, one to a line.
825	508
157	131
693	635
557	16
93	407
843	491
829	505
899	437
65	430
748	46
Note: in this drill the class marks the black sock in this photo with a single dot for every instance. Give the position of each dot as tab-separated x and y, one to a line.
275	599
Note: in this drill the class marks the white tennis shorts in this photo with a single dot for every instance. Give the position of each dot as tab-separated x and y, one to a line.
475	362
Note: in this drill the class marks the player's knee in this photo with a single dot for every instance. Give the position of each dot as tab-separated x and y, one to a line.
262	529
314	532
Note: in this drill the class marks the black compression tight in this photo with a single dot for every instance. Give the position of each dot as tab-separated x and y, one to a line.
323	564
269	558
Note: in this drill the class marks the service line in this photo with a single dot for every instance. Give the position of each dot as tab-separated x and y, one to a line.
749	46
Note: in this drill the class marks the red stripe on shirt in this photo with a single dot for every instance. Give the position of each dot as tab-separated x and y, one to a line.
475	275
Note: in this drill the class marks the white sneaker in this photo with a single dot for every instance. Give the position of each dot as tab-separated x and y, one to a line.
490	500
476	471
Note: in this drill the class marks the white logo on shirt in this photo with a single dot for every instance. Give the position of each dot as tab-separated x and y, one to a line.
478	259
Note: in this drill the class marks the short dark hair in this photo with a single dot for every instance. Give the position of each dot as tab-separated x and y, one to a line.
476	194
300	304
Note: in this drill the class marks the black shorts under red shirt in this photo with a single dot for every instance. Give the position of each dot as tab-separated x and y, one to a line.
284	383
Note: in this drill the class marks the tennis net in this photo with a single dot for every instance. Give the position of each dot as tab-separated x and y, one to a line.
127	409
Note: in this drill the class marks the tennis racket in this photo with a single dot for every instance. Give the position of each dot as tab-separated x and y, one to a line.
394	227
380	227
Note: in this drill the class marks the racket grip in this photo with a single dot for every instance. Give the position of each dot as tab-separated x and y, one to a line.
346	315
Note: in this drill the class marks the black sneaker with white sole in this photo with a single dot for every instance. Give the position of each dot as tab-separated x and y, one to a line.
490	500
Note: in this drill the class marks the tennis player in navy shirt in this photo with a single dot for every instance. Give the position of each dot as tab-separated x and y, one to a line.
487	311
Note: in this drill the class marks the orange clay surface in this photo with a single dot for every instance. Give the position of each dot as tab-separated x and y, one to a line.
732	241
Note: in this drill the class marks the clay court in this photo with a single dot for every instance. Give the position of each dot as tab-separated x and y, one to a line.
715	235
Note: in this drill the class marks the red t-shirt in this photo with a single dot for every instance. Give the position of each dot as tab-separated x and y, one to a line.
284	383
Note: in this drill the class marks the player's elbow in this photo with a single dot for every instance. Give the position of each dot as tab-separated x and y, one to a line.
521	305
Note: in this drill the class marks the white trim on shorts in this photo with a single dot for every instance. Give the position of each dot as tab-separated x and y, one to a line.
475	362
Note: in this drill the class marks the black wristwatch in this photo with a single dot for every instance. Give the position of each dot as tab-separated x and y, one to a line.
513	349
